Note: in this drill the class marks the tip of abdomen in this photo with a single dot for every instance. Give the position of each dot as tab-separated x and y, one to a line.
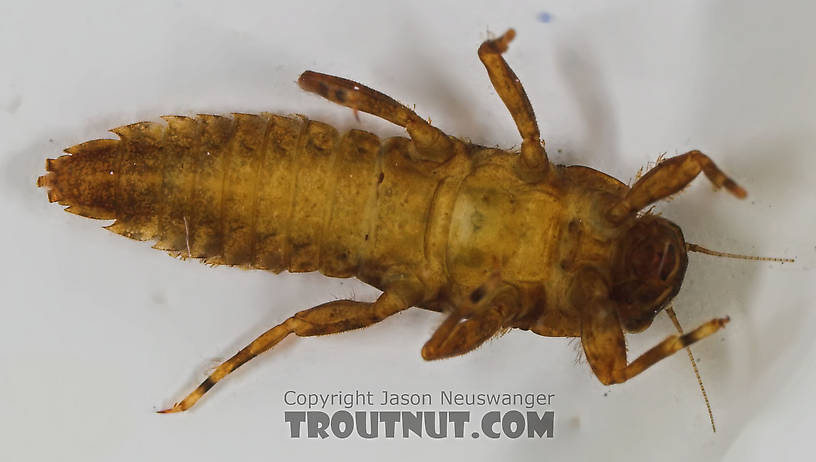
85	179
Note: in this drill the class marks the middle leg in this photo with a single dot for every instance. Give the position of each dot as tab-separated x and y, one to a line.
511	91
455	337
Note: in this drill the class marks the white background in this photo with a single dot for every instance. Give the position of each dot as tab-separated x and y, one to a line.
98	332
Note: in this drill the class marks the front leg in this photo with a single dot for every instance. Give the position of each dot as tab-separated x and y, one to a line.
605	348
603	340
670	177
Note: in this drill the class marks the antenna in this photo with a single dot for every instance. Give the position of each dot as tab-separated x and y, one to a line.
698	248
670	310
673	317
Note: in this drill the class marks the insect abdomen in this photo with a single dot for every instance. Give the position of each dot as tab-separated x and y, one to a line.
261	191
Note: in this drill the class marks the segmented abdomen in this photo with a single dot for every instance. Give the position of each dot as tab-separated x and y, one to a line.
261	191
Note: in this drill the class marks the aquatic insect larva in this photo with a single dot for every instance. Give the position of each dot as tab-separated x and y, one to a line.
493	239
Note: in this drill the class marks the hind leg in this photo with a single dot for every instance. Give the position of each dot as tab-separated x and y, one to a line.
431	142
329	318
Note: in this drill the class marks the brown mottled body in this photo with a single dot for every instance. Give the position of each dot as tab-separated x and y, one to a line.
285	193
494	239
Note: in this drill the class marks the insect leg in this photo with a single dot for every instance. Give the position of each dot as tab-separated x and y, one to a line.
602	336
456	337
669	177
431	142
511	91
328	318
603	342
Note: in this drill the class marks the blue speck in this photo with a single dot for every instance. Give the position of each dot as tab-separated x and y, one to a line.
544	16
